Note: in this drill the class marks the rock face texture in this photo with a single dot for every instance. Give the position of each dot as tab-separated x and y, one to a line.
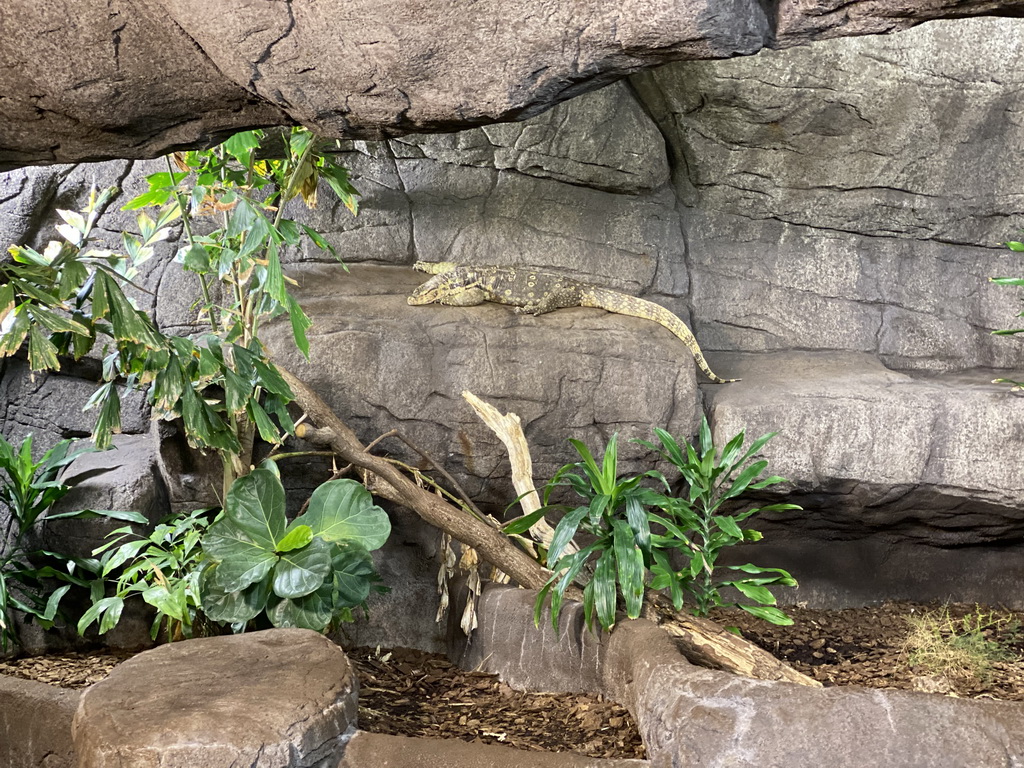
35	724
137	79
825	218
222	701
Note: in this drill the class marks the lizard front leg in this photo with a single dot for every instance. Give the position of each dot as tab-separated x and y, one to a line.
467	297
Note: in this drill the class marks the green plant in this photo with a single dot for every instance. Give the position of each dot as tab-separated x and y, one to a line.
1018	247
635	530
960	649
162	567
28	491
222	386
615	516
310	573
696	525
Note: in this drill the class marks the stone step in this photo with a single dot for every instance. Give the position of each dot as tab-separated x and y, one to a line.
376	750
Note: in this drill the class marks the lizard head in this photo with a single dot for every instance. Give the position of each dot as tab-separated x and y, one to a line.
432	290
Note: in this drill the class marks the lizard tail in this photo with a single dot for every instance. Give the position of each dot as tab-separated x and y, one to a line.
622	304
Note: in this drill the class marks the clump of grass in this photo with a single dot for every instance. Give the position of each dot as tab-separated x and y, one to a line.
961	650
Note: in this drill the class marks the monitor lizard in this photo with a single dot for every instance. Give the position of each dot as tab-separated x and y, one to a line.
536	292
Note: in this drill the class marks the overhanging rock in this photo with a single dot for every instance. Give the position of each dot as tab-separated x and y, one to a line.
136	78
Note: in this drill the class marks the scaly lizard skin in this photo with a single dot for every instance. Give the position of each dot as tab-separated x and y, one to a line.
538	292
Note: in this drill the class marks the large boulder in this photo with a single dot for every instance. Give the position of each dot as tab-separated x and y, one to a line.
282	698
144	78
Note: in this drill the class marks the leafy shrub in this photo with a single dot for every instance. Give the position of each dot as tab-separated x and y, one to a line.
162	567
61	301
310	573
694	524
637	530
27	492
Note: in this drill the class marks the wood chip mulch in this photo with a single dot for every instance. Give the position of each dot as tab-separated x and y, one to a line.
864	646
411	693
65	670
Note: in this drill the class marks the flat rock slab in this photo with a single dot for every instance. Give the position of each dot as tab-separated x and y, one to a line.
910	483
279	698
376	750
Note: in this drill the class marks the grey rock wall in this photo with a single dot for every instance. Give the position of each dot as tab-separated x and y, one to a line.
826	219
853	195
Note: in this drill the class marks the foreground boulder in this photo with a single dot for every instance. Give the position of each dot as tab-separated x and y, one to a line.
284	698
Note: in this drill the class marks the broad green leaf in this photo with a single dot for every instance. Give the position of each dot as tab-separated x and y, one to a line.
154	197
268	432
630	565
241	146
318	240
670	447
301	571
744	479
565	531
241	559
194	258
590	467
244	541
755	592
173	603
300	323
242	218
604	589
73	276
538	606
353	573
99	610
768	613
524	523
297	536
53	603
610	465
237	607
14	336
728	525
313	611
706	444
637	519
109	420
6	300
42	354
256	504
1013	245
343	511
57	323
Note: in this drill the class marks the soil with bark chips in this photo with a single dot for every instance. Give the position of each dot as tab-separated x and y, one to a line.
868	647
412	693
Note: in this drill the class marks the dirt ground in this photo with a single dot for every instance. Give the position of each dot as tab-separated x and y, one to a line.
866	646
418	694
